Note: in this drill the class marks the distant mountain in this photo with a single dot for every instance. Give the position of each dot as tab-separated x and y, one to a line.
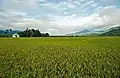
114	31
83	32
2	31
10	32
87	32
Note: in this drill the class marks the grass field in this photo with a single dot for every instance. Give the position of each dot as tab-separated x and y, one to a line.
65	57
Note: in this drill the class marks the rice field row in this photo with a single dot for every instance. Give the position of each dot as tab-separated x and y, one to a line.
64	57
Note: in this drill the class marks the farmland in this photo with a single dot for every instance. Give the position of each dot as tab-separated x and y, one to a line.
60	57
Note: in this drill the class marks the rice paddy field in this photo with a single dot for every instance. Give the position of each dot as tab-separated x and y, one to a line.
60	57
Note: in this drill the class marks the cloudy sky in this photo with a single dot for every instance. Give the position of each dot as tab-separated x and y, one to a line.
59	16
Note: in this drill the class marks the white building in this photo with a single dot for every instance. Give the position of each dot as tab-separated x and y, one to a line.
15	35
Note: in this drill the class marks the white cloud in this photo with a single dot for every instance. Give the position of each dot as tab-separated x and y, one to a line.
65	12
104	19
95	4
71	5
59	18
60	24
53	31
18	13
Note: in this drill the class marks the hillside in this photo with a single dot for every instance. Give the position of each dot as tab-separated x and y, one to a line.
114	31
9	32
87	32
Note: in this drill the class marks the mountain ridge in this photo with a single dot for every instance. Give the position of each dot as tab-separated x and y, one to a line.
113	31
2	31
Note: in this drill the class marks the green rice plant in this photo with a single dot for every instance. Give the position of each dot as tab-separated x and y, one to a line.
64	57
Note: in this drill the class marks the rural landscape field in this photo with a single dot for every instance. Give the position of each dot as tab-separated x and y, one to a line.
60	57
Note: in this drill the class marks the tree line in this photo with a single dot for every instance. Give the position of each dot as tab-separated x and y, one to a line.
32	33
26	33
